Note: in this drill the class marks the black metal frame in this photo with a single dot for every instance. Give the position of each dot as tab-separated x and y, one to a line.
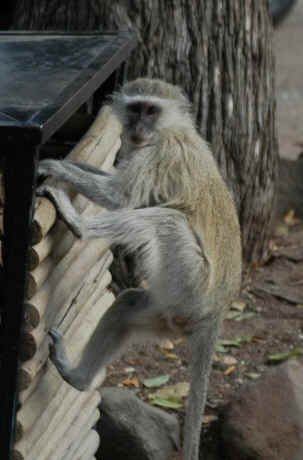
20	183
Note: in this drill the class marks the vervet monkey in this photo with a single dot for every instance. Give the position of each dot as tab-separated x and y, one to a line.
168	205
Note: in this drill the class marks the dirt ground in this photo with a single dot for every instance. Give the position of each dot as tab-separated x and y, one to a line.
268	319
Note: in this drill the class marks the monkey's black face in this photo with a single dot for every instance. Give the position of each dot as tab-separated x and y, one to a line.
142	118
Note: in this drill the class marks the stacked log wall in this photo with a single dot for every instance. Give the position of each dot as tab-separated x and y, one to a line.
68	287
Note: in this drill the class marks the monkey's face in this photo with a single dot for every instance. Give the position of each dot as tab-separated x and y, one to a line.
141	122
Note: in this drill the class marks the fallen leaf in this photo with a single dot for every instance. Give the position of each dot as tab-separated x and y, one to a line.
290	218
278	357
131	382
169	355
232	314
229	360
156	381
238	305
129	370
230	370
252	375
257	339
207	419
220	348
177	391
166	344
169	403
246	315
223	343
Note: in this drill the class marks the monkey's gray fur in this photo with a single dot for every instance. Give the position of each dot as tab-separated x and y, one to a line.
170	207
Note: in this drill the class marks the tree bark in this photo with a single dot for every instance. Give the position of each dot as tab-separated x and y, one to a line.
220	52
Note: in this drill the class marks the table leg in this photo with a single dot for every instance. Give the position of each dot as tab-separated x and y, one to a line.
19	177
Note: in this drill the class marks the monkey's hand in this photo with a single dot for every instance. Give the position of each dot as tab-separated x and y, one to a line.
63	207
50	168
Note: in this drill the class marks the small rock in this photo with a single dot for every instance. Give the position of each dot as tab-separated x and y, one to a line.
133	430
265	421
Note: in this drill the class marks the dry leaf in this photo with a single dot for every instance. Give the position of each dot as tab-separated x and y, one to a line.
166	344
228	360
176	391
257	339
238	305
131	382
230	370
207	419
290	218
169	355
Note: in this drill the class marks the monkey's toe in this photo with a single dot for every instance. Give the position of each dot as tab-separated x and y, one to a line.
55	334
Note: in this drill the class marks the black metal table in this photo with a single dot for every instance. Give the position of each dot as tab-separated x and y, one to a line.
44	79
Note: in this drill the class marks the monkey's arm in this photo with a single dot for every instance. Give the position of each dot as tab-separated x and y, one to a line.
97	185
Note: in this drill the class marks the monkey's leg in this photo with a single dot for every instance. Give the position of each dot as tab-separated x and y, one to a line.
133	227
124	321
101	187
202	345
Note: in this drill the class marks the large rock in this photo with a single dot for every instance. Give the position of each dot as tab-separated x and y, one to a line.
132	430
265	422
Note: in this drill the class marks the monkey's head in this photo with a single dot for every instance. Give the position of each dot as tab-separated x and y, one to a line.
145	106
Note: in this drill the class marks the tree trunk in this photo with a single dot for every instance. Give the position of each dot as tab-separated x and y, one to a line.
220	53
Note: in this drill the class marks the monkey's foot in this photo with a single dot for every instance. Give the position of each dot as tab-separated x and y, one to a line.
57	352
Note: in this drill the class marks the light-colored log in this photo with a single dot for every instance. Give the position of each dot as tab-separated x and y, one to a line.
73	452
92	289
100	137
50	420
41	400
31	341
68	286
31	317
29	369
76	337
25	393
39	252
93	148
58	436
87	414
35	344
89	444
60	235
36	278
44	219
86	297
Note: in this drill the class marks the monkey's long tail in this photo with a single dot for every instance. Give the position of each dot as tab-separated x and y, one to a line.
202	346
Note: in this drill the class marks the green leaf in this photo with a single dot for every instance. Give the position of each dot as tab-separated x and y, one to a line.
169	403
222	343
247	315
278	357
220	348
232	314
156	381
